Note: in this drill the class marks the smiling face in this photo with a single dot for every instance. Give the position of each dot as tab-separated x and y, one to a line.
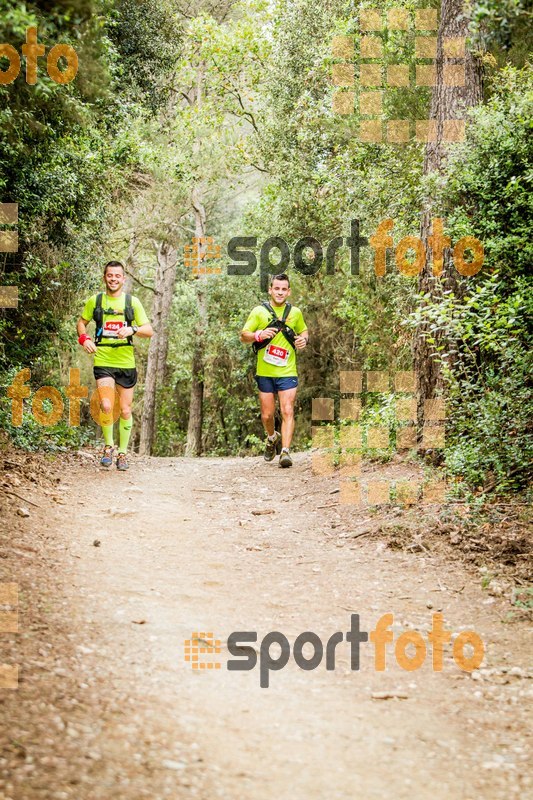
279	291
114	280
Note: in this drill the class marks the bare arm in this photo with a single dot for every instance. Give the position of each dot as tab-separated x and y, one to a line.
88	345
301	340
143	331
81	327
247	337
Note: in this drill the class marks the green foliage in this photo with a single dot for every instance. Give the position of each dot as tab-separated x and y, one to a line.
523	597
505	27
488	370
237	106
53	163
488	364
488	186
146	35
67	153
31	435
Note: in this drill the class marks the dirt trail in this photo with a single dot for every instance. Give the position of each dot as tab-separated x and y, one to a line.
108	707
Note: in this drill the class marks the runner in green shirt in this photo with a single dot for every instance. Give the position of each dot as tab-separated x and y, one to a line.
276	363
114	358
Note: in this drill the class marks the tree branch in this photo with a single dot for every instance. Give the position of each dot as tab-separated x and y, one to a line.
144	285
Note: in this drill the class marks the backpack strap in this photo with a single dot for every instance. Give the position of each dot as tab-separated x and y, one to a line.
129	315
288	332
279	324
286	312
98	316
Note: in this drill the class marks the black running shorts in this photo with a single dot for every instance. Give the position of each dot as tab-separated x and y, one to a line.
127	378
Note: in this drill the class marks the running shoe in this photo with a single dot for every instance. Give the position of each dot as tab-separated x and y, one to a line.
122	462
107	456
272	448
285	460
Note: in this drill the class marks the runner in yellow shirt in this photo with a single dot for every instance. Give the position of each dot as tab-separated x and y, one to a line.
276	330
118	317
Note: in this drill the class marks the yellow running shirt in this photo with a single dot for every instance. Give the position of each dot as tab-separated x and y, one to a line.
278	358
109	356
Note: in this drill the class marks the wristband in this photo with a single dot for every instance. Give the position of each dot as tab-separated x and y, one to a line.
257	336
83	338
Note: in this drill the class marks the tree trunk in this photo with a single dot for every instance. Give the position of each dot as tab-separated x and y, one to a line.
193	446
165	279
447	103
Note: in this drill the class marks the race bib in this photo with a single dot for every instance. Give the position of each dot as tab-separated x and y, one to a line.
111	328
276	355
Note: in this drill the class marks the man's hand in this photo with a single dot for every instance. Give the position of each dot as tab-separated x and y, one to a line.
268	333
89	346
124	332
300	342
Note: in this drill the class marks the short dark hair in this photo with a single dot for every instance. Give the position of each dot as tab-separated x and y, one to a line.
113	264
281	277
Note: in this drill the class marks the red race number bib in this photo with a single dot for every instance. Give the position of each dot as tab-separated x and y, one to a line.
111	328
276	355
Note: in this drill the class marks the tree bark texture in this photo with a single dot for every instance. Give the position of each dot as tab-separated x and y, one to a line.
193	445
165	279
449	102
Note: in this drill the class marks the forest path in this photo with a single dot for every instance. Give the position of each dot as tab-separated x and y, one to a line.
143	559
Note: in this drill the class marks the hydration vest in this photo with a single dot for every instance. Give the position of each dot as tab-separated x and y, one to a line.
279	324
98	316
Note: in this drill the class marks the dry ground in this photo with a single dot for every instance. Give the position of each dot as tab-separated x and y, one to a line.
117	570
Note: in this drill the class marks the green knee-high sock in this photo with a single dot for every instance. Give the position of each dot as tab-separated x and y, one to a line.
107	430
124	428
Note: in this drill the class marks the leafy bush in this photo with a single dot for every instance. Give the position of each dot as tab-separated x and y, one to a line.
487	363
31	435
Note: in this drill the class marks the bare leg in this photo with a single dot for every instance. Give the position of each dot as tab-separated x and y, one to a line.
268	407
126	399
286	403
124	427
106	392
